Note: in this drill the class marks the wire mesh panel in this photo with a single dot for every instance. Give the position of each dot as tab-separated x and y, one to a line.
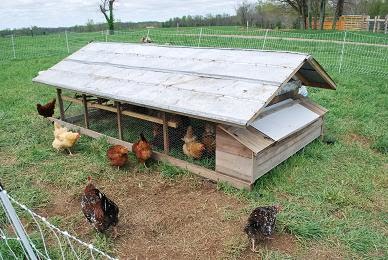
185	138
193	141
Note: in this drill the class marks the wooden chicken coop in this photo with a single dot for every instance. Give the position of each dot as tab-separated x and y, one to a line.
248	97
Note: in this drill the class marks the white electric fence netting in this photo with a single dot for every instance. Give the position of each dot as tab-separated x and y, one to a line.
336	51
25	234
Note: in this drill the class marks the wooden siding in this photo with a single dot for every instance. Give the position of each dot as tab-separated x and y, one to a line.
232	158
280	151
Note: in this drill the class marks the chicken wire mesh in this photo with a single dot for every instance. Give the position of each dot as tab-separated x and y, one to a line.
188	139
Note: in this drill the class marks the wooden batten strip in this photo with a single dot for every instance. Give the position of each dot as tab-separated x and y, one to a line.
119	121
166	141
206	173
124	112
86	115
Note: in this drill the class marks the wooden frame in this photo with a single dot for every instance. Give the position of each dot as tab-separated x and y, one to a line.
119	122
166	140
204	172
238	162
123	112
86	115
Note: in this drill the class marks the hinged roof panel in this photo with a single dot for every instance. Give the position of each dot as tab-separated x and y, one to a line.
229	86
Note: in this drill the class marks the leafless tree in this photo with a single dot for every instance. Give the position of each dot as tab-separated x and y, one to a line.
105	7
339	10
322	11
300	6
246	12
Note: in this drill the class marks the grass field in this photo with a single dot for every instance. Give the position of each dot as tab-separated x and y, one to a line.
334	196
361	52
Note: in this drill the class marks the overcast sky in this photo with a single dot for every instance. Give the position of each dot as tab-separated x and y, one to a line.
54	13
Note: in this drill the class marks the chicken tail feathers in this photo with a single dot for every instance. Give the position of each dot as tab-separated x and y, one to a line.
142	137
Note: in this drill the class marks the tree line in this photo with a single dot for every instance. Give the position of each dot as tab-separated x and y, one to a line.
303	14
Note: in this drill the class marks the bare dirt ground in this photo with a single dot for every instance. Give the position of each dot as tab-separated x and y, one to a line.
161	219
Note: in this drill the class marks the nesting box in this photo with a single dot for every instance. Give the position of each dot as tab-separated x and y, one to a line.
251	99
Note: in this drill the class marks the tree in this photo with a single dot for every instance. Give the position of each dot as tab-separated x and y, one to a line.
246	12
300	6
339	10
322	11
104	10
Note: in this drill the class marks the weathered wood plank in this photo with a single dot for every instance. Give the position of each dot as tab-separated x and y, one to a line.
316	108
86	114
166	141
234	165
252	140
123	112
226	143
119	121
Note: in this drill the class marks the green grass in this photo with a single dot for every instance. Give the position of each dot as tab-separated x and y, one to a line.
333	195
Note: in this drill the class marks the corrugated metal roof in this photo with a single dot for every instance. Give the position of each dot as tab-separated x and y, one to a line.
223	85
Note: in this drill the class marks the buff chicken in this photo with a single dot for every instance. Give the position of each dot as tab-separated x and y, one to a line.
63	138
191	147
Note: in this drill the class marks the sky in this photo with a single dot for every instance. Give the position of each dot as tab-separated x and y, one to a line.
56	13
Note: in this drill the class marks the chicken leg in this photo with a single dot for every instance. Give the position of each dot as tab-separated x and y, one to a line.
68	149
253	248
115	233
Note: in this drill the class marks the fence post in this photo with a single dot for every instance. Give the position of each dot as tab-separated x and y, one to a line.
265	38
342	52
13	47
15	222
106	35
67	42
148	33
200	36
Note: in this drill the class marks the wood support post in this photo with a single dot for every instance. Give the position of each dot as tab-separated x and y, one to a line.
165	134
60	102
119	124
86	116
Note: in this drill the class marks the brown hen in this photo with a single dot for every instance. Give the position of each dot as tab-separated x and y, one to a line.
100	211
46	110
142	150
117	155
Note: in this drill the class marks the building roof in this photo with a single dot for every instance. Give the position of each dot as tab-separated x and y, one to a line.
229	86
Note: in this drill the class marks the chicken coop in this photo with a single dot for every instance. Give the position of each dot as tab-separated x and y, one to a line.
242	108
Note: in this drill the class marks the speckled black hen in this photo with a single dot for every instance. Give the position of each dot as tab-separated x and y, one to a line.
261	223
98	209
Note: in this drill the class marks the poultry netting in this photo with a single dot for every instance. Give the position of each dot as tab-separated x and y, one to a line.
188	139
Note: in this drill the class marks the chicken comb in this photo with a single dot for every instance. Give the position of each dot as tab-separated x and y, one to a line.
89	178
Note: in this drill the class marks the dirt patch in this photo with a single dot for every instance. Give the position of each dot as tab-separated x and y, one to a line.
161	219
356	138
320	252
6	159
